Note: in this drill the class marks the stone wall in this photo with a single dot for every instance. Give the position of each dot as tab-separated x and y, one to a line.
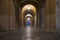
7	15
58	15
4	15
12	15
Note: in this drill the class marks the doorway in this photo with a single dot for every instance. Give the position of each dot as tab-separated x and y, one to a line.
28	22
30	12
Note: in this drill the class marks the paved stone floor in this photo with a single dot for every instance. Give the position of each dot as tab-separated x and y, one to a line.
28	33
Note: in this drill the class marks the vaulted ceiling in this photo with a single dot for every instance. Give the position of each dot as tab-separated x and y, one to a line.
39	1
24	2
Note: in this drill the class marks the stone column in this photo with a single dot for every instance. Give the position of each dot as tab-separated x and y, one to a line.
20	17
35	21
3	15
12	19
50	16
39	18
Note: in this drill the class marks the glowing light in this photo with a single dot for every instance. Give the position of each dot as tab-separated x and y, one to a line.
28	19
28	29
29	8
28	32
28	15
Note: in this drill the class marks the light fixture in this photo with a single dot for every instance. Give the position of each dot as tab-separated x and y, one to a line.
28	15
29	8
28	19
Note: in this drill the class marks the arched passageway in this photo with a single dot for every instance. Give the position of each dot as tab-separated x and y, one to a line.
29	8
33	10
21	15
27	13
29	20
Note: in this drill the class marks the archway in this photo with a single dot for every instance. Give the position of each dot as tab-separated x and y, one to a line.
29	8
29	20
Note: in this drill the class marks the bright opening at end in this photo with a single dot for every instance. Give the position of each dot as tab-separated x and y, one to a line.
28	22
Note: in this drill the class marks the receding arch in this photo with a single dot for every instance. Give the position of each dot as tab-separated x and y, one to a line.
33	2
36	4
28	15
29	7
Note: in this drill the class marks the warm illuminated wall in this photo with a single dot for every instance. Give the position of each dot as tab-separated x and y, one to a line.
4	15
7	15
12	17
29	7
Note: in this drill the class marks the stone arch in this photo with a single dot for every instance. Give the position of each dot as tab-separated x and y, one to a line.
35	3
